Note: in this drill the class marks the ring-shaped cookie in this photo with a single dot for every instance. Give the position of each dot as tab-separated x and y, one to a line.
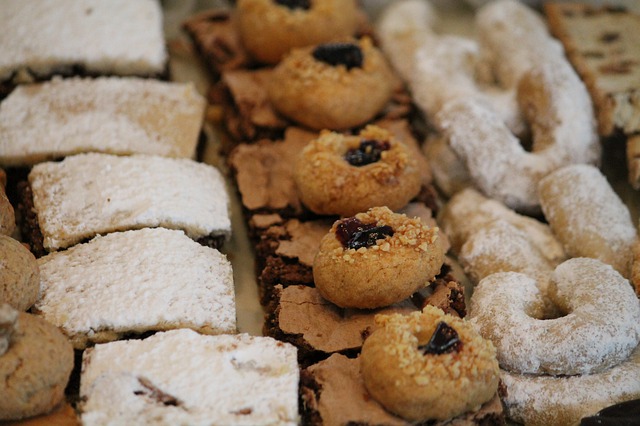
376	259
420	369
563	128
334	86
344	175
270	28
509	309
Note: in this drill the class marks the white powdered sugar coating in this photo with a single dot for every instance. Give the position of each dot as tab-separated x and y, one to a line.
588	216
108	37
501	247
468	211
89	194
509	309
181	377
560	401
112	115
136	281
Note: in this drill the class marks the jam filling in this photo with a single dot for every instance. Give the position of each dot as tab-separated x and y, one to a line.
444	340
368	152
335	54
295	4
354	234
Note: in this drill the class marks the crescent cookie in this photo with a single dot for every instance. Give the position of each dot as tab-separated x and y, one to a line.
428	365
335	86
35	368
344	175
271	28
509	309
376	258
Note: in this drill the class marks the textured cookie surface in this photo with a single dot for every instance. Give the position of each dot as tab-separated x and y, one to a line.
19	274
181	377
94	291
90	194
35	369
112	115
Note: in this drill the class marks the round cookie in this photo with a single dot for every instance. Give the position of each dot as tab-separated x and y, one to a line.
345	175
35	369
428	365
334	86
376	259
510	309
271	28
19	274
7	214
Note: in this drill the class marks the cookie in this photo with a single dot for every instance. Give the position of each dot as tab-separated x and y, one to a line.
344	175
19	274
334	86
35	369
376	259
269	29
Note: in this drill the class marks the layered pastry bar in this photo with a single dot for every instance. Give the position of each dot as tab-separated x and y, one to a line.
182	377
89	194
93	37
133	282
112	115
603	44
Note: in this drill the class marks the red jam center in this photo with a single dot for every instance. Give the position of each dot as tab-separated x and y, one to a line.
444	340
368	152
347	54
354	234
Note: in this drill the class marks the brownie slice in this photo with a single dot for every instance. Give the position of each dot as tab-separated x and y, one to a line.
332	393
299	315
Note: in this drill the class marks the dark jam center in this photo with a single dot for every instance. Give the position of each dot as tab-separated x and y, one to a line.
444	340
368	152
295	4
354	234
334	54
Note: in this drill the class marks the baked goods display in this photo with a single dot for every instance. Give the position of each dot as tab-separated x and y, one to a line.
386	178
89	194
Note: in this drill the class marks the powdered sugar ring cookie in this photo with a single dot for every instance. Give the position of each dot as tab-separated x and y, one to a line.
344	175
271	28
560	115
565	400
509	309
376	258
428	365
336	86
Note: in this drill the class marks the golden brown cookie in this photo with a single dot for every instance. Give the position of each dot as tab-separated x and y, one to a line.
345	175
335	86
428	365
376	258
270	28
19	274
35	369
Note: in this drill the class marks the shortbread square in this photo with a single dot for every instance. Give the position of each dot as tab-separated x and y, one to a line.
133	282
181	377
51	120
89	194
120	37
